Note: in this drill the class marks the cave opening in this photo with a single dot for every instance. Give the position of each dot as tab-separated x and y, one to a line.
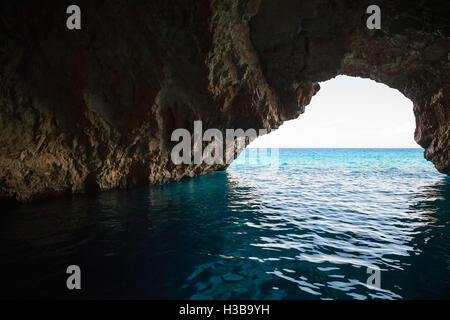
348	112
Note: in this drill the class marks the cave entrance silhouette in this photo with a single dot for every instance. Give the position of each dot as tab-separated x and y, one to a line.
348	112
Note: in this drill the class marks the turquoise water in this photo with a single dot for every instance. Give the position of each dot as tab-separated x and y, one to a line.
305	225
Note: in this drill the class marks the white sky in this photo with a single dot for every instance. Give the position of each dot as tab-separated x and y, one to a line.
348	112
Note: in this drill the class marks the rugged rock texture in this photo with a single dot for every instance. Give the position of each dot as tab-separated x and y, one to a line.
94	109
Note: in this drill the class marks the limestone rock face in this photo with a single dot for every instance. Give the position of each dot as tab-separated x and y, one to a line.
94	109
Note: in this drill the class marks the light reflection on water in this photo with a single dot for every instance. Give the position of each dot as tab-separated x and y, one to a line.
307	230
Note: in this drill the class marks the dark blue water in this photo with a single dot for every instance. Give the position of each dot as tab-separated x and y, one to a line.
306	227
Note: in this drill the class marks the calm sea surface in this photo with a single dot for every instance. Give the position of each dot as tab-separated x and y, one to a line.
305	225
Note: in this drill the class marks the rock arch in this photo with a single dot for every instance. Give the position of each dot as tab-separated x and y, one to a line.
93	109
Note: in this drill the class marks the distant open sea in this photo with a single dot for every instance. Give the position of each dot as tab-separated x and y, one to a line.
305	228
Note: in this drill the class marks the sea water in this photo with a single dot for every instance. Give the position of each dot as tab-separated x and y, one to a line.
314	225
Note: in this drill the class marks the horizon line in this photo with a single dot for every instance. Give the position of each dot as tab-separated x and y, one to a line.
333	148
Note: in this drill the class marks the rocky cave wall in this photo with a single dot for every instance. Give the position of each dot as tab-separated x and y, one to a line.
93	109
